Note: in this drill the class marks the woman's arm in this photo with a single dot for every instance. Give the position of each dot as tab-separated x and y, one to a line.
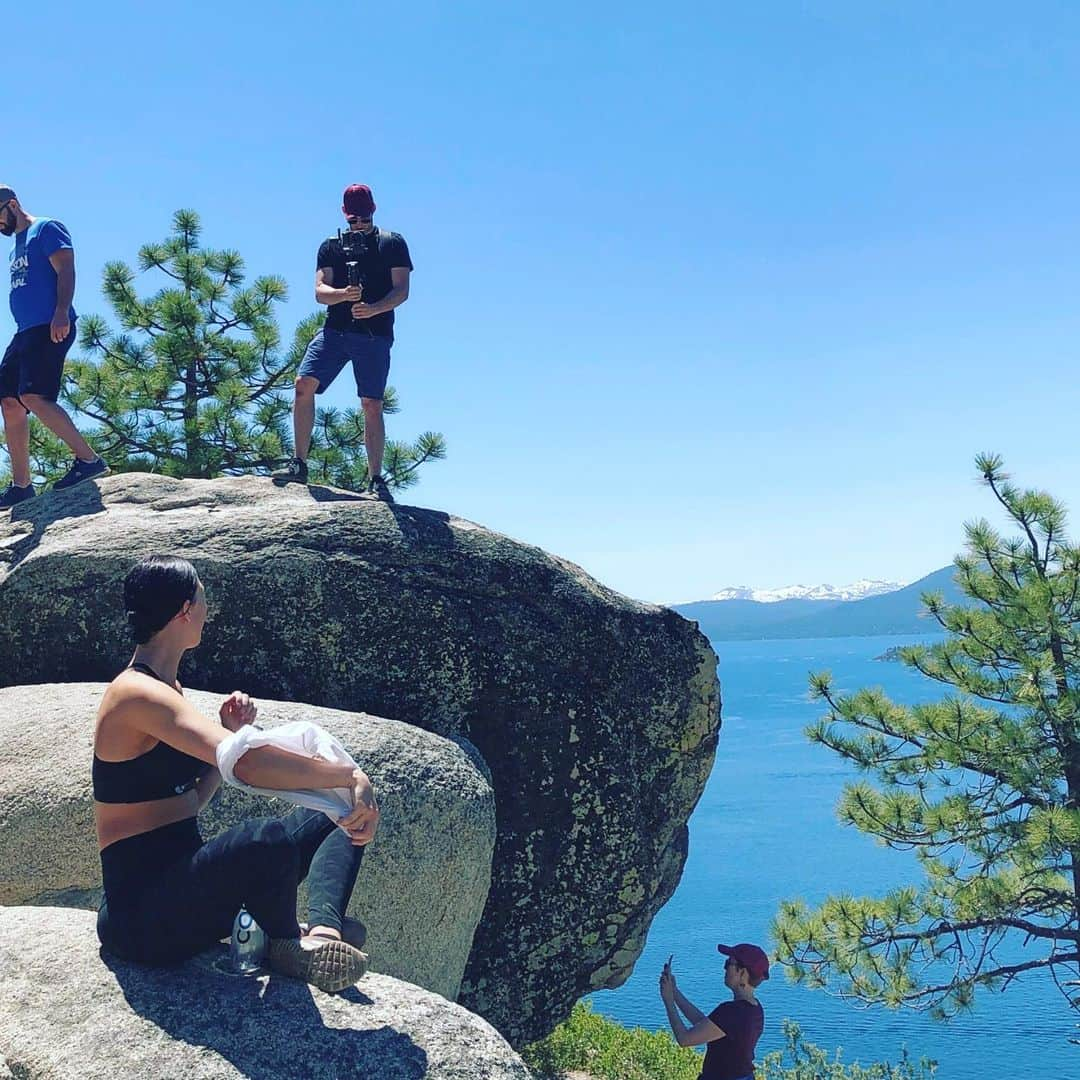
161	712
669	985
689	1010
236	711
206	787
703	1030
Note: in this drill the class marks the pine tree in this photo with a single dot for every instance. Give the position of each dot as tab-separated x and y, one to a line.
984	785
196	383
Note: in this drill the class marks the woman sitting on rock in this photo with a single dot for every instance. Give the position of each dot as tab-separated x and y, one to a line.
169	895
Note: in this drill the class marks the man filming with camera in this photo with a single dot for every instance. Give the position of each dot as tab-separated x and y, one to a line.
361	275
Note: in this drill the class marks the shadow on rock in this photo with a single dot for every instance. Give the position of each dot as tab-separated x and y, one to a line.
268	1026
319	493
430	527
415	522
43	510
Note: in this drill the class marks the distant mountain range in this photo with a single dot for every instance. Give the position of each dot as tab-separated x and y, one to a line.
857	591
897	611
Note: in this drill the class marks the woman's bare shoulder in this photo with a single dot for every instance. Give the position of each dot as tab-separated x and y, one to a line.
130	692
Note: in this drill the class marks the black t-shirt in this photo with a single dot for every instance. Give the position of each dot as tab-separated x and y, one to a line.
376	254
732	1057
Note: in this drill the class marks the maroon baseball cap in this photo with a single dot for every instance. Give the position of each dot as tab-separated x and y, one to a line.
749	956
358	201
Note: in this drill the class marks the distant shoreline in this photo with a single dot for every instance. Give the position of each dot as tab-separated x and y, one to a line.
892	655
895	614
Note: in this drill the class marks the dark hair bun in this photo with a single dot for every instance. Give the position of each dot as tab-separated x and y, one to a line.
155	589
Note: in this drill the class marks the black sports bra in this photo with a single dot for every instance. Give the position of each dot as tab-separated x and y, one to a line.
160	773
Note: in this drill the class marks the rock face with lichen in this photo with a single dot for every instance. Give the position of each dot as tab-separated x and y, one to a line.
597	715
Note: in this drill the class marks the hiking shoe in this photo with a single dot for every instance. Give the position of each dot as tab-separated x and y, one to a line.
377	486
80	471
15	495
329	965
293	473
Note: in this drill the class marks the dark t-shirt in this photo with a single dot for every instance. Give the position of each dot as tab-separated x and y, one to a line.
732	1057
377	254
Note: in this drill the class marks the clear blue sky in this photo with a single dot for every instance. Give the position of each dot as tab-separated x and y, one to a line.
705	294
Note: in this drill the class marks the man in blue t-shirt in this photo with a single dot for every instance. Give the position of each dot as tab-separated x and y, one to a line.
361	279
42	288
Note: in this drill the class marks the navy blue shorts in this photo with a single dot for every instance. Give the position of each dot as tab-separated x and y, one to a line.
330	350
34	364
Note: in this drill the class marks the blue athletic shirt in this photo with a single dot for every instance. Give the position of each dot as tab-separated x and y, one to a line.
33	279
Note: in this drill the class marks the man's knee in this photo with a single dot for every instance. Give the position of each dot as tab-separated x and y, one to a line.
306	385
371	406
12	407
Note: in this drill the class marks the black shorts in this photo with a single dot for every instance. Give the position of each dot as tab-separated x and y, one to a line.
34	364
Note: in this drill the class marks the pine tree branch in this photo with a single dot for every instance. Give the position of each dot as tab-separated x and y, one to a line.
939	677
224	325
1005	971
119	433
881	728
269	383
1022	521
398	477
990	559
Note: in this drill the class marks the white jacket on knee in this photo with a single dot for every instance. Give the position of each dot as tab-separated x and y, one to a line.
298	737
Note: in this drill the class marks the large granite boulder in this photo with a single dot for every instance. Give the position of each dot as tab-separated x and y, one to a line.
598	716
67	1012
425	877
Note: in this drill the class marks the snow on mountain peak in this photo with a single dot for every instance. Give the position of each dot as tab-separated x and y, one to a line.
858	590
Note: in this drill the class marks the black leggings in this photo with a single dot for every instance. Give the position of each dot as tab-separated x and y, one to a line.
169	896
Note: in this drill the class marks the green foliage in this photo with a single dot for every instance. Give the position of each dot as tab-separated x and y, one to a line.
196	383
984	785
590	1044
608	1051
804	1061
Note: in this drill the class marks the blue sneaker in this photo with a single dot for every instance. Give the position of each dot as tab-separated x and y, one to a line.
80	471
15	495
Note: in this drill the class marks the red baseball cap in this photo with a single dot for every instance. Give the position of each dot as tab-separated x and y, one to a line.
749	956
358	201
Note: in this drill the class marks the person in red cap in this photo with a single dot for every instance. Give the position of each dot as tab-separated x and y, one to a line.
731	1030
360	281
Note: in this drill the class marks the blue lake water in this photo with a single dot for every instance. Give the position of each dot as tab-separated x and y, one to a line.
766	829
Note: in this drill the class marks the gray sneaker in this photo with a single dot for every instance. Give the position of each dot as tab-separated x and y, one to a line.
377	486
293	473
329	965
353	932
15	495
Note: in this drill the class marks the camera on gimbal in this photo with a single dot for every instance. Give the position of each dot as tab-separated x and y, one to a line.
357	247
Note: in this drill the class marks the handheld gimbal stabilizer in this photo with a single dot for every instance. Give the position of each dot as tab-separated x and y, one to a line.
356	246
